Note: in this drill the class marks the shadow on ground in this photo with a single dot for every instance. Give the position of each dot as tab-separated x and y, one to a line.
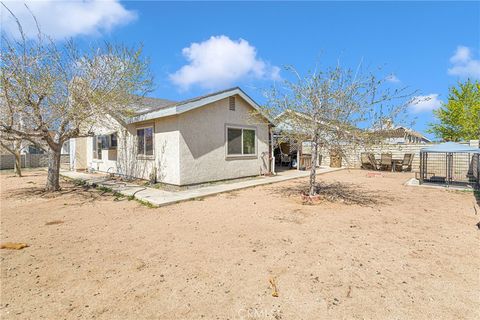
76	194
347	193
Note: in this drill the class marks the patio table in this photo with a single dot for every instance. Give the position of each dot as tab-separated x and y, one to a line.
395	162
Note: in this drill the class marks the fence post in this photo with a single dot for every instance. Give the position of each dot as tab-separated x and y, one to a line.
421	167
478	168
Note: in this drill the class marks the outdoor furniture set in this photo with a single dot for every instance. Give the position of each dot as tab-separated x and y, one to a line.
386	162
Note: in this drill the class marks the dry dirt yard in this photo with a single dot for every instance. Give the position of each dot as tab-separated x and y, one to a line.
387	251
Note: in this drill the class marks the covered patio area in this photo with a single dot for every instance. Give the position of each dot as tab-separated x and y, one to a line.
291	154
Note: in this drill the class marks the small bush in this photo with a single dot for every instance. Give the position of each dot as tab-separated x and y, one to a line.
79	182
104	189
145	203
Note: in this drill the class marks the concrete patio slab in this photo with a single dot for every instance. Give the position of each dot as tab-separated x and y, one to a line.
413	182
159	198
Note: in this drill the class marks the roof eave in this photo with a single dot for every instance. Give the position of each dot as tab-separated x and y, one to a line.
182	108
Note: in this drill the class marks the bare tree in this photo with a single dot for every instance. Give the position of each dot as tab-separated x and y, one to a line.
330	107
9	141
62	91
15	146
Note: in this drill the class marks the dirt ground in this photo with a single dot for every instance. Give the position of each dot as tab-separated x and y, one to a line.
385	251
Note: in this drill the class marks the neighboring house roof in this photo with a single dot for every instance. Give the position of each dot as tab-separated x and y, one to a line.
160	108
401	132
398	132
282	123
148	104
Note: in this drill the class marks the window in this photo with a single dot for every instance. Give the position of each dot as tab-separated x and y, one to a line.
35	150
248	141
240	142
145	141
97	147
103	142
113	141
66	147
234	141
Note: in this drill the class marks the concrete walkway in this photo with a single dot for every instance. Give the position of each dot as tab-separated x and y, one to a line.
159	197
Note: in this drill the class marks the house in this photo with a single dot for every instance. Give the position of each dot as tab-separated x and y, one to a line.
390	133
402	135
218	136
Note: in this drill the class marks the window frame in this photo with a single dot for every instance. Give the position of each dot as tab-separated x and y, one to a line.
101	138
144	155
110	144
95	149
241	155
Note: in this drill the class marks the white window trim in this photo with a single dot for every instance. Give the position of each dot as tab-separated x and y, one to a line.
143	155
230	156
94	153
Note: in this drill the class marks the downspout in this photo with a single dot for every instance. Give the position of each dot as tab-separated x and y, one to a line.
271	162
298	157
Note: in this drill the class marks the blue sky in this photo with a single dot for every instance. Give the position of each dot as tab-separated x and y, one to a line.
198	47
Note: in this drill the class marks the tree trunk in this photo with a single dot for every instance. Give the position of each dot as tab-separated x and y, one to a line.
17	168
53	177
313	170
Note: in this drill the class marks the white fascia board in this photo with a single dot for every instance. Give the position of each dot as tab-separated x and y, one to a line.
199	103
178	109
153	115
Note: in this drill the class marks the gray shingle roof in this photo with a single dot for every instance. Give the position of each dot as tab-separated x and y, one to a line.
148	104
153	104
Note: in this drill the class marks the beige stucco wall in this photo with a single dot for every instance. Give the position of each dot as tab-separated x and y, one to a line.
189	148
203	143
80	154
124	160
166	150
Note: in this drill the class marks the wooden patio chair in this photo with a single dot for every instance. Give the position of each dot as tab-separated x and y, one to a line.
406	164
373	161
365	161
409	168
386	161
285	157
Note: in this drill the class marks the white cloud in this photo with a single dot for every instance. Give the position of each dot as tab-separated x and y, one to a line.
392	78
425	103
464	65
462	54
62	19
220	62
